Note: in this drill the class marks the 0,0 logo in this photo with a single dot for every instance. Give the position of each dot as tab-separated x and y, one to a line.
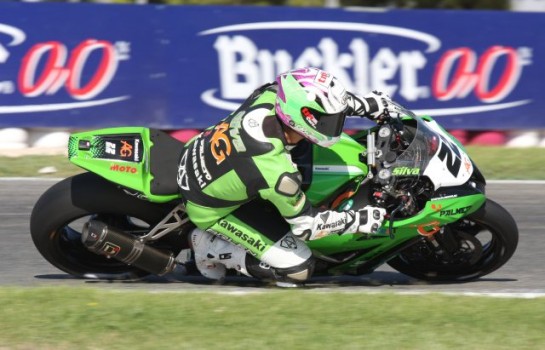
63	69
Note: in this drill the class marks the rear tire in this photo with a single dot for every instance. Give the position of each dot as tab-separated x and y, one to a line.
58	216
477	257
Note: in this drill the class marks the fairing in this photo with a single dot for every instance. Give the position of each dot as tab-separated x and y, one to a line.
120	155
433	153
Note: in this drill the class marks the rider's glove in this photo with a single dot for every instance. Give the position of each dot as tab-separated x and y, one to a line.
370	219
324	223
373	105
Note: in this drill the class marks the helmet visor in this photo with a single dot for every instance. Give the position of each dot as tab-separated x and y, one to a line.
329	124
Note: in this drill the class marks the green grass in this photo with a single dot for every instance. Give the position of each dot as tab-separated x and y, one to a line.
85	318
494	162
28	166
509	163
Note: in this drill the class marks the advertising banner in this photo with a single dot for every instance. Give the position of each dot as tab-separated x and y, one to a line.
172	67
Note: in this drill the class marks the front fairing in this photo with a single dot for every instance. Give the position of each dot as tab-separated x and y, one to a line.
429	152
432	153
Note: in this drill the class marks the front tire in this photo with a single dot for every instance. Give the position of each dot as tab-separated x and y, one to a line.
486	239
58	216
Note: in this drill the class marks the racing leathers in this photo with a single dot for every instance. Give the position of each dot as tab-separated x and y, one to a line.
238	181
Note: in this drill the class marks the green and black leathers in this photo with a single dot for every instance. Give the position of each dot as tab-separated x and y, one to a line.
238	160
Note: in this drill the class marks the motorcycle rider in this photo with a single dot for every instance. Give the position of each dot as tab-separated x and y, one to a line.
243	192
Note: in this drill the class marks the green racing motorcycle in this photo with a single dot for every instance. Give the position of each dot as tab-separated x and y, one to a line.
440	224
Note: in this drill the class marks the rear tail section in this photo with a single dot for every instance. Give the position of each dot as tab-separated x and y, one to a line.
142	160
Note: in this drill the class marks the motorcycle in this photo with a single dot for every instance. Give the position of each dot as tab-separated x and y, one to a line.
124	217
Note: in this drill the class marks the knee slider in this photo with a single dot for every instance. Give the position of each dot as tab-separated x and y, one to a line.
299	273
288	260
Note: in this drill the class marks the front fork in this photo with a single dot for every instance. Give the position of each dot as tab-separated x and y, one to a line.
454	247
441	247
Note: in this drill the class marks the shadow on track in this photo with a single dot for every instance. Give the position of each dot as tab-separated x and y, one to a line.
376	279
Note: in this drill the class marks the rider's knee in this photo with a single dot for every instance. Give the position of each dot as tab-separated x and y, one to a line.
295	274
288	260
298	273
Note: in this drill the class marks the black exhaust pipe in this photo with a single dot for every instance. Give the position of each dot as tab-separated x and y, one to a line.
103	240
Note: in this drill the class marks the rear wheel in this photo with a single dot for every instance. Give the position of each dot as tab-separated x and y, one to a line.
470	248
58	217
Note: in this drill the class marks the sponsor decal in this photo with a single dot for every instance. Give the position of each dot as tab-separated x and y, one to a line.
332	225
123	169
457	211
82	72
255	243
288	242
182	179
405	171
323	78
325	227
220	143
309	117
204	169
444	197
252	123
339	169
202	175
126	149
324	216
234	132
136	150
118	147
490	74
110	248
135	194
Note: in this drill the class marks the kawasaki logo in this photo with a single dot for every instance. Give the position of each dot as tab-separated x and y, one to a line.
332	225
255	243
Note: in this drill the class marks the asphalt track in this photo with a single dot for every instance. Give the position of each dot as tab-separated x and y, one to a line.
523	275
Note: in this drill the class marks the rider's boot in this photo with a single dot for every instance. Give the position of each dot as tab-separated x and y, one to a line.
214	255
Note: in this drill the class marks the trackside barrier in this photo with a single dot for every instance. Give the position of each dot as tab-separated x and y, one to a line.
184	67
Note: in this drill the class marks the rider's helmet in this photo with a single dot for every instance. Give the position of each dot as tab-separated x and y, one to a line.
313	103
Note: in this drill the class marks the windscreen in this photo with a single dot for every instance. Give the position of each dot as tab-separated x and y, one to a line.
423	145
432	153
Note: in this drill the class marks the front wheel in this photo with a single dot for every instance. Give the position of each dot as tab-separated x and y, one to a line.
58	217
482	242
